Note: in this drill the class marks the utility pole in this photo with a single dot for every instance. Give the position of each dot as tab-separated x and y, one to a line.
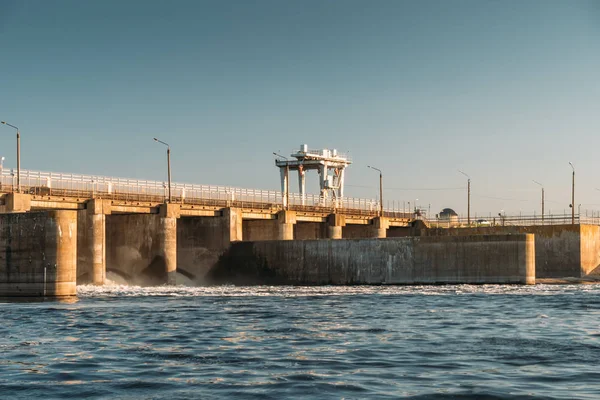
18	155
572	195
468	197
286	183
168	164
380	190
542	200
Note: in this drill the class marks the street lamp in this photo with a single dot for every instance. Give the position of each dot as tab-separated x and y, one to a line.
468	197
287	180
534	181
1	171
380	189
18	155
168	164
572	205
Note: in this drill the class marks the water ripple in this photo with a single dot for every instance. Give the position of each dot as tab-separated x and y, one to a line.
422	342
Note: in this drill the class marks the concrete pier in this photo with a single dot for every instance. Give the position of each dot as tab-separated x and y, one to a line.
168	240
380	227
96	223
335	225
232	225
286	221
98	239
38	254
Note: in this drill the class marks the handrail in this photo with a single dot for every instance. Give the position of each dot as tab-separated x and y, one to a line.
48	182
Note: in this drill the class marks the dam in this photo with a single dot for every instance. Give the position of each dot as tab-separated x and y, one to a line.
61	231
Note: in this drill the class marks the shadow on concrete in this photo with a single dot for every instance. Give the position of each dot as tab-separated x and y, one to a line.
84	279
241	266
154	274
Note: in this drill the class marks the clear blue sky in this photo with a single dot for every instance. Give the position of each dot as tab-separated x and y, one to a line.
507	91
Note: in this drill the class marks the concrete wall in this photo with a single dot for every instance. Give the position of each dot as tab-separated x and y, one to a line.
356	231
417	260
558	248
399	231
202	240
310	230
38	254
261	229
136	245
133	248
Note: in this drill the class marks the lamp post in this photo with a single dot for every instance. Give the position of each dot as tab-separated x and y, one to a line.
534	181
287	180
18	155
1	171
572	195
380	189
468	197
168	164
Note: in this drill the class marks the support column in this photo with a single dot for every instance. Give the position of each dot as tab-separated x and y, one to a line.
285	225
168	214
379	227
284	186
302	185
233	224
97	210
341	184
335	223
62	279
323	181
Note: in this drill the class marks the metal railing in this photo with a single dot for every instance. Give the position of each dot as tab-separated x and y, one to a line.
513	220
88	186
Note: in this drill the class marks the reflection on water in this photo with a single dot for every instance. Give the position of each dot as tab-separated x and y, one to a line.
64	299
440	342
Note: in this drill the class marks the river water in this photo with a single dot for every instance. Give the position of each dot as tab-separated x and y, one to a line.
425	342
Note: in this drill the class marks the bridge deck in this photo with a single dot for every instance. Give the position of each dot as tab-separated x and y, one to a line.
124	203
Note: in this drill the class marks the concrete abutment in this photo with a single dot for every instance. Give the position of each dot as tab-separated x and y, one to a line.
38	254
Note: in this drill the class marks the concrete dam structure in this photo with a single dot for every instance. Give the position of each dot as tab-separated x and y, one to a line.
50	243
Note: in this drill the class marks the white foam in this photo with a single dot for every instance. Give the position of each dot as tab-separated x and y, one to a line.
113	289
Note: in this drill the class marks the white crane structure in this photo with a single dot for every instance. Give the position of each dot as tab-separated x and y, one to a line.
329	164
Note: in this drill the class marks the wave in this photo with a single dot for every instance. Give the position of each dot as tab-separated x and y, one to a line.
115	289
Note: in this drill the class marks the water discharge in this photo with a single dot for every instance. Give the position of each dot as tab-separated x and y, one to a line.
438	342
